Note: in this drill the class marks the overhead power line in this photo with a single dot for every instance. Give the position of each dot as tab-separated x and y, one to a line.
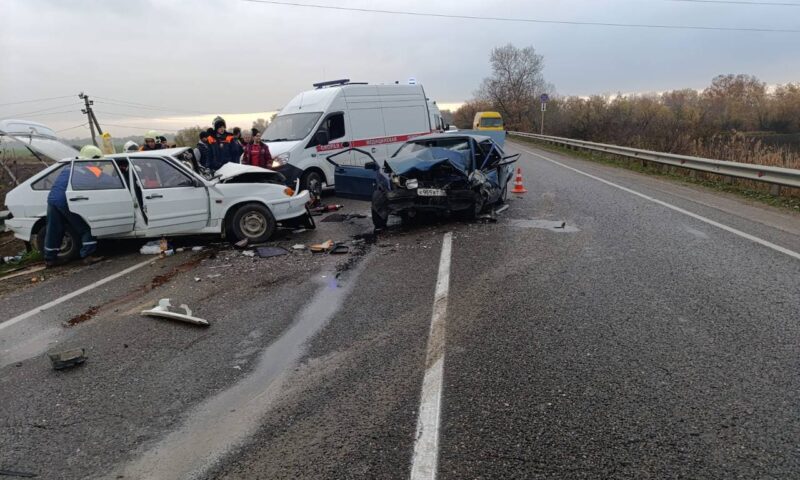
27	114
52	113
526	20
35	100
735	2
152	109
72	128
139	128
120	114
146	106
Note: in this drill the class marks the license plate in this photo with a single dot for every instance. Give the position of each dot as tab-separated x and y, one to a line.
431	192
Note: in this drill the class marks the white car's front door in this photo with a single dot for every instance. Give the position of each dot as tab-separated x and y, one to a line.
172	201
96	193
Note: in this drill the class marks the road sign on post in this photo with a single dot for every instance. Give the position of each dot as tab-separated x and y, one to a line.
544	98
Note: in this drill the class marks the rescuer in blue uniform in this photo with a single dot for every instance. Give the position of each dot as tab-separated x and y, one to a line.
59	218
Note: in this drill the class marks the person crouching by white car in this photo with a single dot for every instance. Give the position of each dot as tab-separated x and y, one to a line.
59	218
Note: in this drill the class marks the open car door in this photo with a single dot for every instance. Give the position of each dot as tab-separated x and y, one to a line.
353	179
172	201
97	193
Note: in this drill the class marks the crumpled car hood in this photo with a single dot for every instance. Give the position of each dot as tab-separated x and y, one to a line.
426	160
277	148
231	170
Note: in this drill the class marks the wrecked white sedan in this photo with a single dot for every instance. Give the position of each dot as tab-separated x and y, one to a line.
158	193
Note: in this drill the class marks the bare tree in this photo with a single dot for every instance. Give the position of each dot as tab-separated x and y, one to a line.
515	83
260	125
188	137
462	118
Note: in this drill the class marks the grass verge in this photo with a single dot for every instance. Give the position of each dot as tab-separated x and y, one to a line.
29	258
708	180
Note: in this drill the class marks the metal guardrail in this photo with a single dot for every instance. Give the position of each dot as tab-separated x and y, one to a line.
789	177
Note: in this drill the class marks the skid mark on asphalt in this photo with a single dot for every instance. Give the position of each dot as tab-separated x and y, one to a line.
225	420
426	446
72	295
557	226
714	223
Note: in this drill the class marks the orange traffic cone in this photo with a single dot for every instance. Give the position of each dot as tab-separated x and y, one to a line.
518	188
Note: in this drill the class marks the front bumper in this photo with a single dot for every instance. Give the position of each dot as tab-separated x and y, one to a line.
292	207
402	200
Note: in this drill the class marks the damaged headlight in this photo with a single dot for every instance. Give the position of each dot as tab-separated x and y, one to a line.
412	183
280	160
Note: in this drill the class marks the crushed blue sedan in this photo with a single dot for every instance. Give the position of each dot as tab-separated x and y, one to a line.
461	174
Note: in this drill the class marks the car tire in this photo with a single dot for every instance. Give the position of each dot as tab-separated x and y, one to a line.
477	207
380	210
312	181
70	245
378	221
253	222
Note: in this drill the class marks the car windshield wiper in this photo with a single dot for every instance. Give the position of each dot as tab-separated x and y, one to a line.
277	140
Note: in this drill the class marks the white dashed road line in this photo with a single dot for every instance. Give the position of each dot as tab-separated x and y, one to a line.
426	446
72	295
722	226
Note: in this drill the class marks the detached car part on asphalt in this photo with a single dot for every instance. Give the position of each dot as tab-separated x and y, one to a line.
443	173
160	193
165	309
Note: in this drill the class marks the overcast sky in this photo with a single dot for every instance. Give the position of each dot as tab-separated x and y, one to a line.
198	58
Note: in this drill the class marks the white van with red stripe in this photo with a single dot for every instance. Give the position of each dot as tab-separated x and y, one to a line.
338	115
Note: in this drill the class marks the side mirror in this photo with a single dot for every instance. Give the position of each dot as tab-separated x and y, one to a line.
321	138
371	166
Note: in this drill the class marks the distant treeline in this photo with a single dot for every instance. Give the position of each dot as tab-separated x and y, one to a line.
736	112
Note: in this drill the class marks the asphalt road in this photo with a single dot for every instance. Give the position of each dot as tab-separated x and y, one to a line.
636	342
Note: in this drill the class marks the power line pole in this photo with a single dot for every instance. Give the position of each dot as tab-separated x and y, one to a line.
90	115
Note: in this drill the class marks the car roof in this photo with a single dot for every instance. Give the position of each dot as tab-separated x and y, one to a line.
442	136
167	152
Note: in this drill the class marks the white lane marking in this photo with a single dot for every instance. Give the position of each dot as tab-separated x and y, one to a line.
722	226
426	446
74	294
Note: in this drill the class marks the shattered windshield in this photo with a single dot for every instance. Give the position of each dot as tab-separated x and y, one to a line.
295	126
456	144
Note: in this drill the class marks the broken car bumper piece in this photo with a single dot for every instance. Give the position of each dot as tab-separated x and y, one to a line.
182	313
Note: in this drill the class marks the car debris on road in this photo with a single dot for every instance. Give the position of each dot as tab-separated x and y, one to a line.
267	252
164	309
68	358
321	247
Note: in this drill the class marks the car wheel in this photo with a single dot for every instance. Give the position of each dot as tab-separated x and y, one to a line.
312	181
504	195
477	206
70	244
253	222
380	209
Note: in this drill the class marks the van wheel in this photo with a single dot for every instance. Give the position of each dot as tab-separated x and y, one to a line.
253	222
312	181
70	244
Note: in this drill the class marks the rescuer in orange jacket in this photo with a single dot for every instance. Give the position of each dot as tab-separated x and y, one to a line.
222	147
